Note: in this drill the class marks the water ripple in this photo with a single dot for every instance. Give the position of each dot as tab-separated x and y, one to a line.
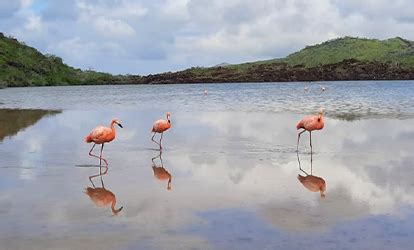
341	100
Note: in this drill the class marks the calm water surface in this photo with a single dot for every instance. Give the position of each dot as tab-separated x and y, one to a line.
232	161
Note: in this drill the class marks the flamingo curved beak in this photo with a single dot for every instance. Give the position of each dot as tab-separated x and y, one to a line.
116	211
119	124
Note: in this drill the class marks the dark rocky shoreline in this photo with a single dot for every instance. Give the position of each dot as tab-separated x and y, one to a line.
347	70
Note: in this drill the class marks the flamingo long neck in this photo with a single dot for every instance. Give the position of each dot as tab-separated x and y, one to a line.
301	178
323	187
168	122
115	211
320	118
322	190
169	184
113	127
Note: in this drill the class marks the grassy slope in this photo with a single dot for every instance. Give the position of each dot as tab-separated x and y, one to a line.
390	50
397	51
394	50
21	65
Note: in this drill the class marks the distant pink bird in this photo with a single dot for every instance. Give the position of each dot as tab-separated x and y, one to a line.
160	126
310	123
102	135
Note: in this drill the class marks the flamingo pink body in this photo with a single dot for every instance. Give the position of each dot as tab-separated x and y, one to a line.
313	183
102	198
160	126
162	174
102	135
310	123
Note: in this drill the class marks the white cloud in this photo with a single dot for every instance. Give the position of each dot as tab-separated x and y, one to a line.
75	46
119	9
154	36
111	27
26	3
33	23
175	8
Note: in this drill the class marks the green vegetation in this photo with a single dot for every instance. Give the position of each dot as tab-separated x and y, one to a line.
345	58
14	120
21	65
395	50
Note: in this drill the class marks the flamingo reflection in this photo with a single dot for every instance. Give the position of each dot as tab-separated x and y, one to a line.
160	172
312	182
101	196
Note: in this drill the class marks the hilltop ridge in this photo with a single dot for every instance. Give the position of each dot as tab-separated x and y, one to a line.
22	65
346	58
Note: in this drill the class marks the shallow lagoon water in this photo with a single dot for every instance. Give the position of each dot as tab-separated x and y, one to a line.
233	165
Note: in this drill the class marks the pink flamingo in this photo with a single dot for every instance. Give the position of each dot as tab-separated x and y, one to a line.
313	183
101	196
102	135
160	126
310	123
160	172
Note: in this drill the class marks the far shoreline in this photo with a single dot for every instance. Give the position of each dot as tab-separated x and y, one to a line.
211	83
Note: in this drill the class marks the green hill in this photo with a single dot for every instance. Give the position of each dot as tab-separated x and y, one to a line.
345	58
396	50
21	65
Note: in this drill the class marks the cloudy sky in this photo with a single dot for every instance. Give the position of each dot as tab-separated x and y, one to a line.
141	37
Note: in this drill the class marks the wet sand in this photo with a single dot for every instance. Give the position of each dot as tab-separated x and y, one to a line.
233	183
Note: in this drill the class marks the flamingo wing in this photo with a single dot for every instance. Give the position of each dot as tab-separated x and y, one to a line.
314	183
302	123
99	133
159	126
160	173
100	196
308	122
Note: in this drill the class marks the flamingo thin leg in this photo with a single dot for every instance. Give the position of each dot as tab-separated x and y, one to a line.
90	154
300	168
162	165
297	145
161	140
90	151
311	162
153	158
152	138
310	140
158	156
100	157
97	175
